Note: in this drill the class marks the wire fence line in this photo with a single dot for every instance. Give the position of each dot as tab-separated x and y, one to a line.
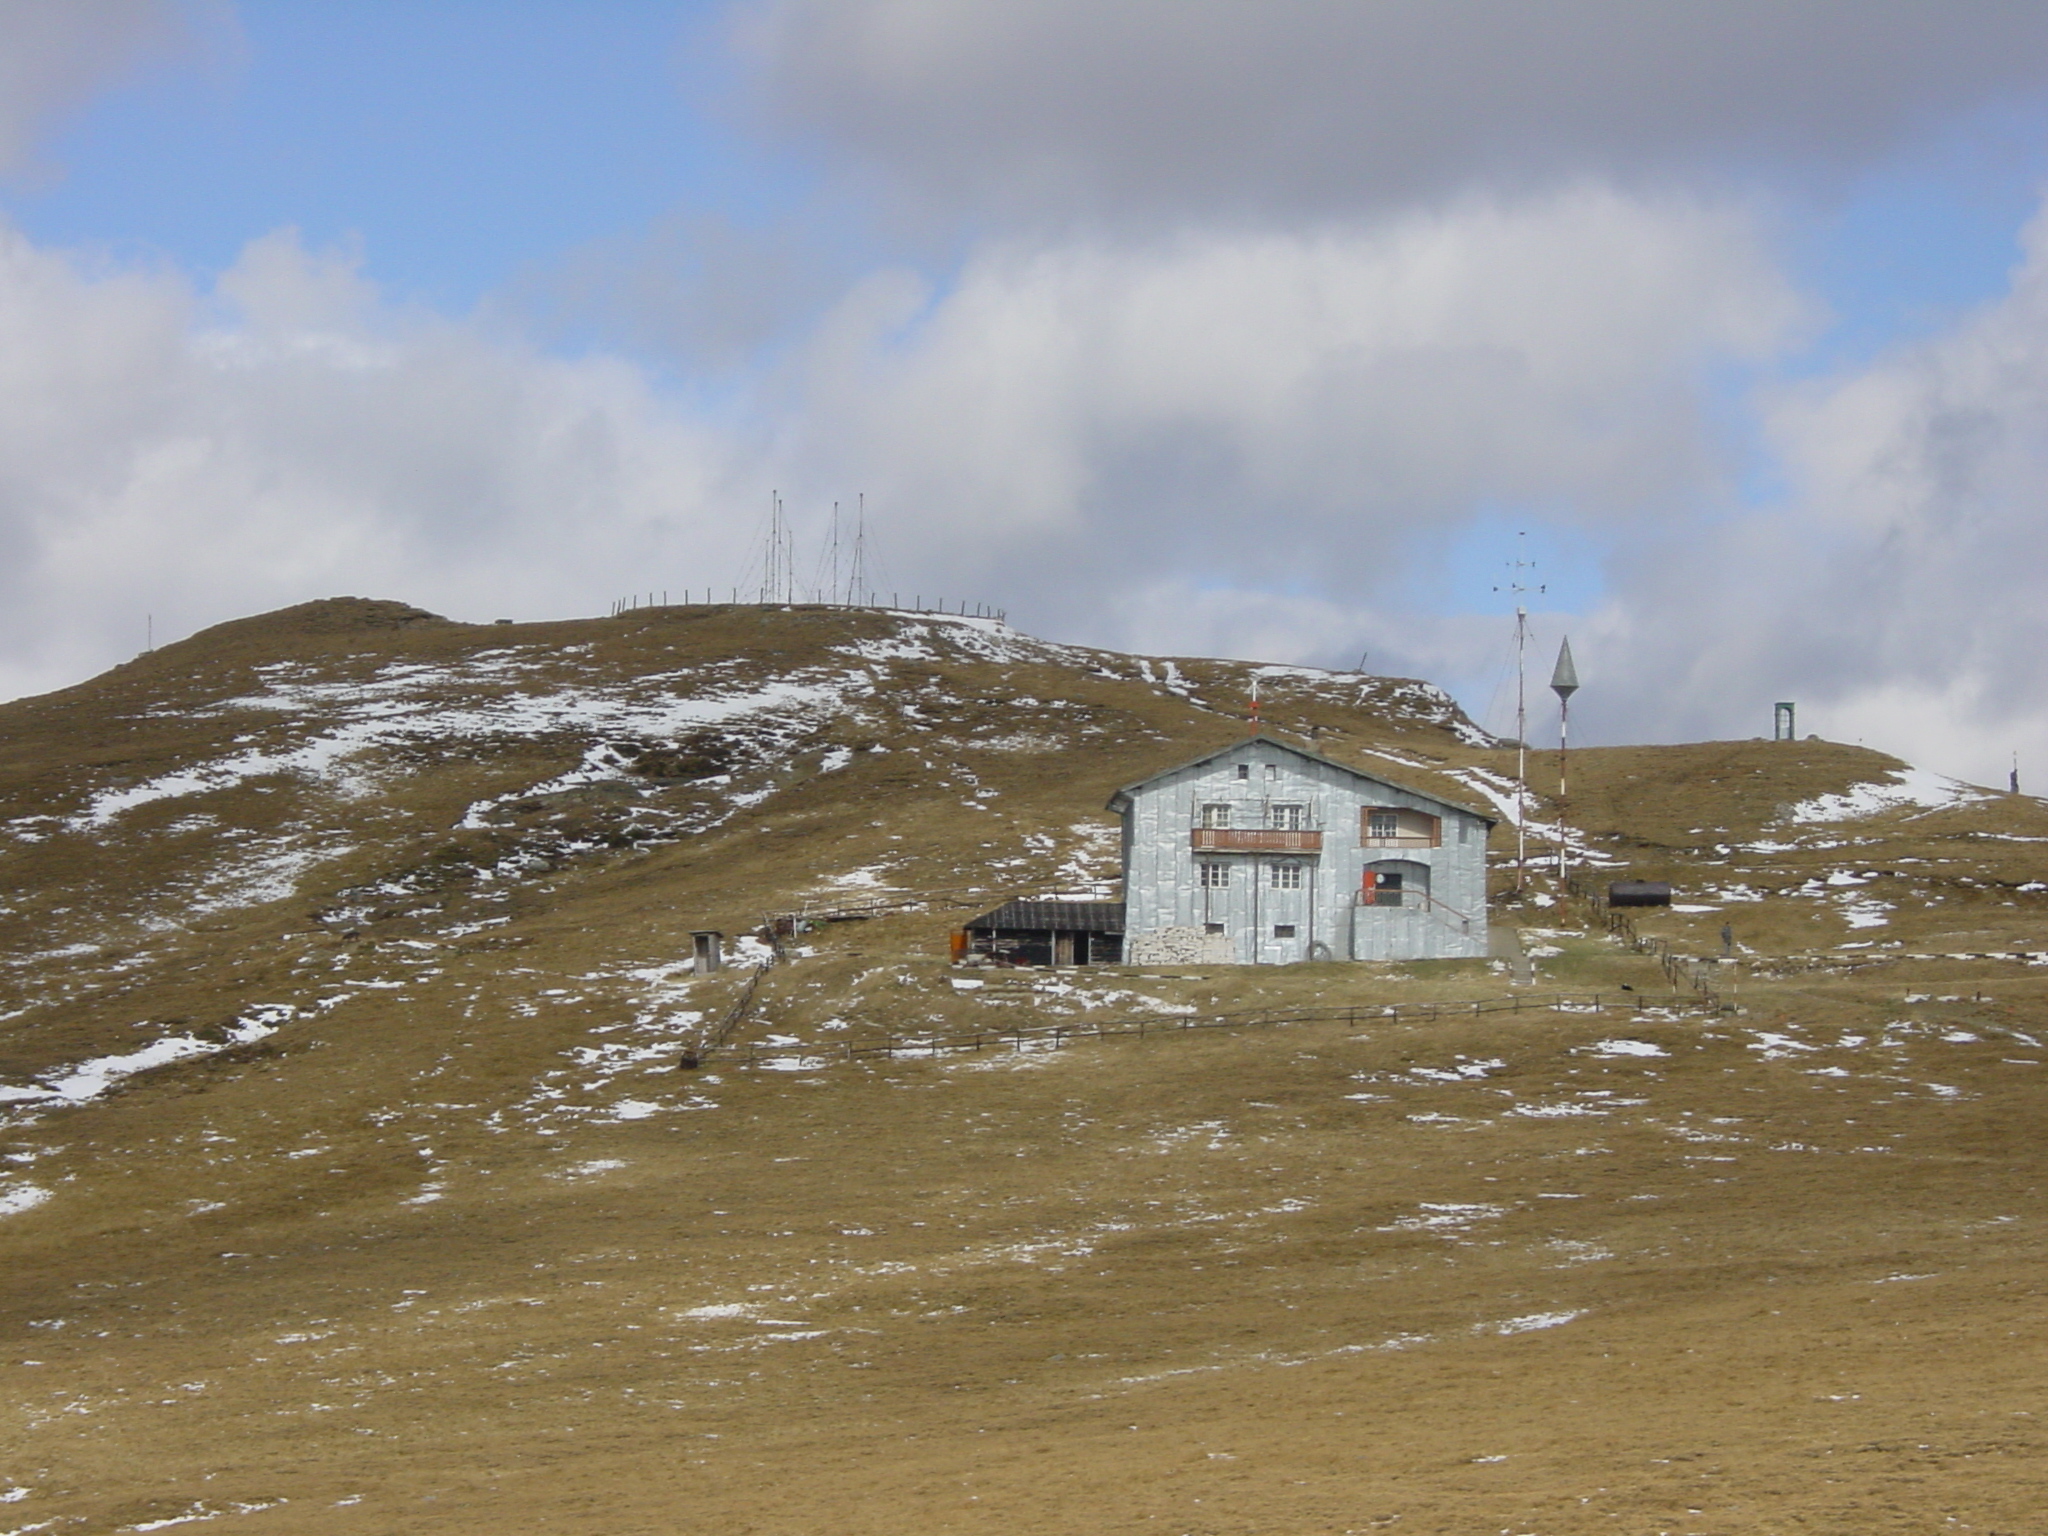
822	911
735	1012
1139	1027
742	597
1834	960
1678	970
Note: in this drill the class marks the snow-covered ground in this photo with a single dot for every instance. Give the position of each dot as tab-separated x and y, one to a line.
1901	788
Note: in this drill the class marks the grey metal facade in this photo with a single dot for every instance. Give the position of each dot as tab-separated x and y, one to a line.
1264	851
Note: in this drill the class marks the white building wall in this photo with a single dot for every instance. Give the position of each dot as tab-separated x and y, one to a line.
1162	886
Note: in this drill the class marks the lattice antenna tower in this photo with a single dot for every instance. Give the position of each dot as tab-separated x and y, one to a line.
772	552
832	559
779	580
857	577
1520	569
788	538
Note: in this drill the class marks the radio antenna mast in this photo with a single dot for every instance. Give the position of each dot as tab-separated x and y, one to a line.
778	565
857	578
832	594
1519	587
787	543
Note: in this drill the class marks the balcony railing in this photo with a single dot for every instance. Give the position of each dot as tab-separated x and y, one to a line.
1254	840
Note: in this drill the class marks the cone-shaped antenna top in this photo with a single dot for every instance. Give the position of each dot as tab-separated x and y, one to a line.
1564	681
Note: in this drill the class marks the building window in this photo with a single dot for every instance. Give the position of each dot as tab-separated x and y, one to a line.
1215	874
1212	927
1244	770
1390	826
1287	877
1215	815
1287	818
1283	930
1272	770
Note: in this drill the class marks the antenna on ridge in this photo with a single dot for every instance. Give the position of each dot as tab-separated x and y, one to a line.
1521	589
857	576
773	554
832	592
778	576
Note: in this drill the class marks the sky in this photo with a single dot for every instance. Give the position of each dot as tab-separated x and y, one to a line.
1291	331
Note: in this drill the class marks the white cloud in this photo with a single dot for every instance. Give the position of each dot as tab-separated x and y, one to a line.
1250	443
1112	439
1288	412
1894	591
291	435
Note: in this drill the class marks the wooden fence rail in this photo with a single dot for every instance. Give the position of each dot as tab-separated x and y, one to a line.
1678	970
721	1031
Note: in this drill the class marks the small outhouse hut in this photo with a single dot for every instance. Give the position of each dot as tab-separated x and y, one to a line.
1263	853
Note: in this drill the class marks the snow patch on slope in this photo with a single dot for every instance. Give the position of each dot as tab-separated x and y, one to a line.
1905	787
87	1080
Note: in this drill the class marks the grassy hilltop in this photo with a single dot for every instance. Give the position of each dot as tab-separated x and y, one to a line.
354	1181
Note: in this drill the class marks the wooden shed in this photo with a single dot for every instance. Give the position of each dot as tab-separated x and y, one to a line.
1050	933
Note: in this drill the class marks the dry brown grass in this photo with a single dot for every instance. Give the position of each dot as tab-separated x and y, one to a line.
429	1259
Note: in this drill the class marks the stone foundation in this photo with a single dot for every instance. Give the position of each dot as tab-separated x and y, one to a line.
1178	946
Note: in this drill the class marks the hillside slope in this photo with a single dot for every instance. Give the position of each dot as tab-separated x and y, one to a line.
358	1181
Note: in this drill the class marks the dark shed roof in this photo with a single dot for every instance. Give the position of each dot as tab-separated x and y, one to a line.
1055	917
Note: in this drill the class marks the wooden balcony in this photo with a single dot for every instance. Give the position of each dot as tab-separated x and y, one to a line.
1254	840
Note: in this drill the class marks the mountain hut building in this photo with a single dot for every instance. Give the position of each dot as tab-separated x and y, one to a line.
1263	853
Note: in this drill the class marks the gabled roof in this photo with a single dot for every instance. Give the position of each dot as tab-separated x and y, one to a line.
1116	800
